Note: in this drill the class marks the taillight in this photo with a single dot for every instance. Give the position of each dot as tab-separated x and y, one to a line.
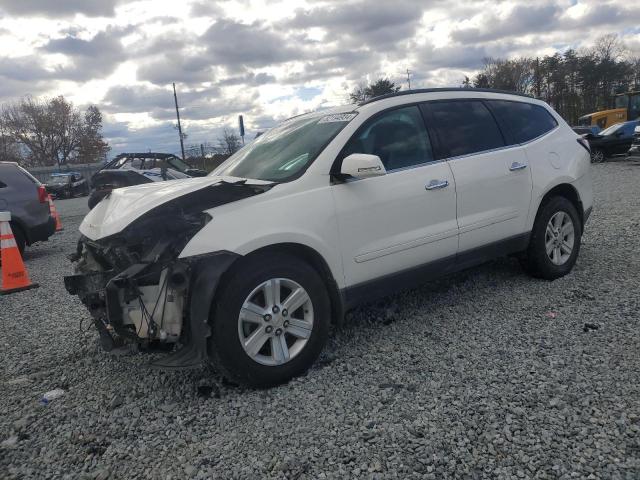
585	144
42	194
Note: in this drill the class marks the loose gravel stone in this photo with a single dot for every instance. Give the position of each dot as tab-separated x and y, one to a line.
466	377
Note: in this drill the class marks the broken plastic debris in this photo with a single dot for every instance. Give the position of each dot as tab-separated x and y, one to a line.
51	395
590	326
551	314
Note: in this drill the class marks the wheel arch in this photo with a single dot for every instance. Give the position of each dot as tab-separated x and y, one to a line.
567	191
311	257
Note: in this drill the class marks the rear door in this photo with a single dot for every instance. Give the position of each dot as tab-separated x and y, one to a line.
405	218
493	181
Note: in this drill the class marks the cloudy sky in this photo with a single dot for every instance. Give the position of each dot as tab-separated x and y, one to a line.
268	59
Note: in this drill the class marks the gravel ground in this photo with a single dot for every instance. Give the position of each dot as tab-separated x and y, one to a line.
487	374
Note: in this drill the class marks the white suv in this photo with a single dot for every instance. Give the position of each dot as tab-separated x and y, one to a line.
248	267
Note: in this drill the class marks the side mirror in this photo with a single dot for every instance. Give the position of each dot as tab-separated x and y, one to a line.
362	165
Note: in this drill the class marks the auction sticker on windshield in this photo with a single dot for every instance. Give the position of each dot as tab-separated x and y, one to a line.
338	117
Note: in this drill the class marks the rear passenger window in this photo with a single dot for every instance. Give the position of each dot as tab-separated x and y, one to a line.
523	121
29	176
397	136
464	127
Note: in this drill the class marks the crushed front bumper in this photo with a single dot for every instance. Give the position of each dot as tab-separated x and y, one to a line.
189	283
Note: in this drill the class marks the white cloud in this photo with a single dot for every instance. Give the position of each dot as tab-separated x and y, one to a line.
268	59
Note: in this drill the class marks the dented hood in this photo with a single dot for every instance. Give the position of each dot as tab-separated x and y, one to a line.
124	205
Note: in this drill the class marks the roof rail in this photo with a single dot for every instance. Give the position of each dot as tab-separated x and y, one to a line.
157	155
445	89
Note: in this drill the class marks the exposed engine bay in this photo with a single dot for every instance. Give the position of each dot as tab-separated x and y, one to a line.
138	290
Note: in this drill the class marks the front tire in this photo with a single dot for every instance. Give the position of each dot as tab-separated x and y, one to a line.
270	322
555	240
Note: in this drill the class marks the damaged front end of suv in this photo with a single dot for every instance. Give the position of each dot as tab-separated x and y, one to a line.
133	281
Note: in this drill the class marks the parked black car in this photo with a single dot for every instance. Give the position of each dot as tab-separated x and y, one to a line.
67	185
26	198
614	140
129	169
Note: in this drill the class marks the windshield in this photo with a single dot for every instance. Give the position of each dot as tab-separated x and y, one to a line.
59	180
287	150
612	129
175	162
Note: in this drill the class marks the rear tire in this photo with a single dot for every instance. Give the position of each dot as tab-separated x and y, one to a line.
555	240
248	288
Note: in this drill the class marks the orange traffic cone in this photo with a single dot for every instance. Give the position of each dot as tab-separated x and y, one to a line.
54	213
14	275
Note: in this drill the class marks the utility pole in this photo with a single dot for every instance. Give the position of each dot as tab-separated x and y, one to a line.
202	153
241	127
175	98
409	78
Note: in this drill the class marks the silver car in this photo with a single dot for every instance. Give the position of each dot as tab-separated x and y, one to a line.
26	198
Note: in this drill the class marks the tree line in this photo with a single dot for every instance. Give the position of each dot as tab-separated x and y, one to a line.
574	83
51	131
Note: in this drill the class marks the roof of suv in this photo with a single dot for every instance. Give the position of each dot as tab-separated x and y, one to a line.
434	90
351	107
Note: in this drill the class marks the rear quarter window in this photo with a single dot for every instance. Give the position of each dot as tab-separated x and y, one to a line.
522	121
15	175
463	127
29	176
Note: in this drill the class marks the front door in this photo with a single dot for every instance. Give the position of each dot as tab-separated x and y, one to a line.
403	219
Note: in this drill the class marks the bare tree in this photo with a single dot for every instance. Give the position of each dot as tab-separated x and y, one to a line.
516	75
229	142
53	131
609	48
9	149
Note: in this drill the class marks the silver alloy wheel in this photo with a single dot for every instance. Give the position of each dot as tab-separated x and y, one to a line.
597	156
559	238
276	321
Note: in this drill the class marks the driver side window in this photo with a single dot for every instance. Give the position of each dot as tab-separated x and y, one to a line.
398	137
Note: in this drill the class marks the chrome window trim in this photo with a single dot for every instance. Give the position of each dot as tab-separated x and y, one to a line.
396	170
503	148
473	154
417	165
